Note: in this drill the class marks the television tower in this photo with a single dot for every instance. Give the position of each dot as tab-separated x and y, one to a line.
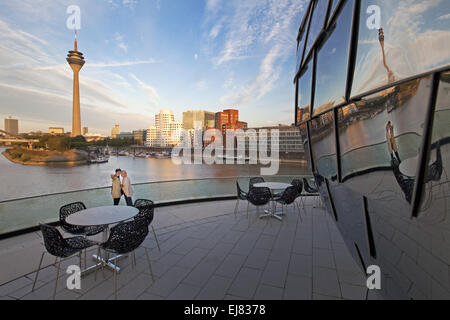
76	62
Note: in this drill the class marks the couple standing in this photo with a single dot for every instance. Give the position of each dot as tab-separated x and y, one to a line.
121	188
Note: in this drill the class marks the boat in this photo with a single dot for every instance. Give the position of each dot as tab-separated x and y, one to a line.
389	111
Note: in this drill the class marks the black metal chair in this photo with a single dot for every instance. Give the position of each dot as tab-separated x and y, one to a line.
241	195
258	197
70	209
298	184
146	212
254	181
125	238
287	198
61	248
312	190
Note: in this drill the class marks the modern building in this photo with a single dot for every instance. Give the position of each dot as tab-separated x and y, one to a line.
168	130
228	120
76	62
151	137
205	118
115	131
85	131
55	130
125	135
94	137
289	138
140	136
12	126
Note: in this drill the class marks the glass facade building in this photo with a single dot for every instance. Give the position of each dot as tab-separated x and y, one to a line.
373	109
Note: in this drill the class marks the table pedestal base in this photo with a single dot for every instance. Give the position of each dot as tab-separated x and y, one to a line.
108	263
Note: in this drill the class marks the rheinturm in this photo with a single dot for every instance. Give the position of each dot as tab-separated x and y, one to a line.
76	62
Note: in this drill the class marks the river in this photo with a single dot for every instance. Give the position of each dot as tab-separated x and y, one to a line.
18	181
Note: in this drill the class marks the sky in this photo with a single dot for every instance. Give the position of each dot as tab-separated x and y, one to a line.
146	55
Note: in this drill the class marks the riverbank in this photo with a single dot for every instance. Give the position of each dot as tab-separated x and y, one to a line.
45	158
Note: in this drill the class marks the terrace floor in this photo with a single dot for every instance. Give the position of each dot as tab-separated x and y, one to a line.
207	253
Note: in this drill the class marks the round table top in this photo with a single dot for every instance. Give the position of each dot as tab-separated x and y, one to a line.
409	166
102	216
273	185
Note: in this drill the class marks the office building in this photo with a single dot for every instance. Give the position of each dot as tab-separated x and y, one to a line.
12	126
140	136
85	131
115	131
55	130
168	130
205	118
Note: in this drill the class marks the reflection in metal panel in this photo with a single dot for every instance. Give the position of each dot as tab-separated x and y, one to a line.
304	94
332	60
415	38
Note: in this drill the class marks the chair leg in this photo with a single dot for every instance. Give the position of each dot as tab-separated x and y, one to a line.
134	257
236	207
149	265
79	258
85	260
37	272
56	280
248	204
157	242
115	279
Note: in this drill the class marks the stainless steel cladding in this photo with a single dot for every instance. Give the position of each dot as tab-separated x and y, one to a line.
373	107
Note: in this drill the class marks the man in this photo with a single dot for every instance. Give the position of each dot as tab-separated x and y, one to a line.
127	189
116	190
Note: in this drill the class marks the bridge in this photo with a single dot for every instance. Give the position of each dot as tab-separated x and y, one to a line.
11	138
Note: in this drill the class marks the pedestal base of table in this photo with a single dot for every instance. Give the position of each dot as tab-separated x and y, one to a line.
109	264
272	214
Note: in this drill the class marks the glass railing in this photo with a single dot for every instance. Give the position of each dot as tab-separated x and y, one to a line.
21	214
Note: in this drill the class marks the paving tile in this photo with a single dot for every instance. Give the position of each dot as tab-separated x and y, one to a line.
257	259
193	258
184	292
265	242
325	281
265	292
298	288
323	258
231	265
167	283
245	283
351	292
215	288
275	273
301	265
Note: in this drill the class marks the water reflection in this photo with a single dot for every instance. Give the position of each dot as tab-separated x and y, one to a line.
382	133
323	145
415	39
317	22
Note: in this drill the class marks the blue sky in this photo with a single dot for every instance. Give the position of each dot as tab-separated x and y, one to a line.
147	55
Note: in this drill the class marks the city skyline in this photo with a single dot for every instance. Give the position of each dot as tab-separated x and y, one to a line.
140	63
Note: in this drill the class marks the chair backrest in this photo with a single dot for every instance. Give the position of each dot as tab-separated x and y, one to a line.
254	181
127	237
240	193
259	196
146	210
53	241
68	210
289	195
298	184
308	188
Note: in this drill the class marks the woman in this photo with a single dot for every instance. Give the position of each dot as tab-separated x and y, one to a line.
127	189
116	190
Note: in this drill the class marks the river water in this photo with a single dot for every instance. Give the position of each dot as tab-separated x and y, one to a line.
18	181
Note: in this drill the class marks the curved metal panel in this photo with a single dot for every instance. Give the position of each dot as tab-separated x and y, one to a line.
332	60
400	39
304	93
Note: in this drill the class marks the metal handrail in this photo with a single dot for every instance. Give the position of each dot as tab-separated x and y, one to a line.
143	183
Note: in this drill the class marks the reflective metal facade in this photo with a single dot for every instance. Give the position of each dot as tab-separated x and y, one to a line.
373	108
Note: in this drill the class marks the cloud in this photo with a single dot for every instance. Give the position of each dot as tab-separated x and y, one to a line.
252	29
444	17
151	92
201	85
196	56
120	42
